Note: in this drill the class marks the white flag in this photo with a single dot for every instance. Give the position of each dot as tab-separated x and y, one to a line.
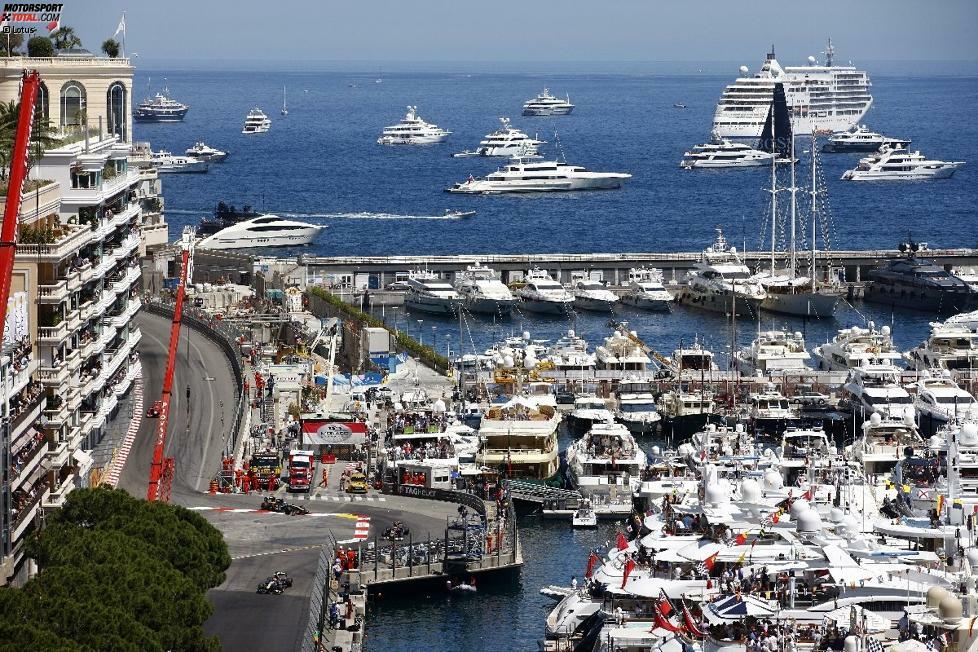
121	27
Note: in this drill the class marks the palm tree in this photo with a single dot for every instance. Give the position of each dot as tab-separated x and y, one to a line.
65	39
42	136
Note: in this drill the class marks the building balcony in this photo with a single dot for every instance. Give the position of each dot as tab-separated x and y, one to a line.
75	236
40	198
127	380
134	336
53	334
74	320
74	399
53	293
20	378
105	302
25	514
54	376
87	309
103	267
124	317
118	356
124	282
85	271
57	417
56	456
71	197
73	277
25	415
57	496
109	403
26	460
85	423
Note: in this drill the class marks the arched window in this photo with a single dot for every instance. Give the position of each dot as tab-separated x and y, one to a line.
43	109
116	105
72	104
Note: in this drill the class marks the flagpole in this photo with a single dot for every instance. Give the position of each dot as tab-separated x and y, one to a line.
123	35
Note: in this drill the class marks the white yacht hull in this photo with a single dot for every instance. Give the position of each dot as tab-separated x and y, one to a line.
716	302
432	305
483	187
594	304
414	140
705	164
196	166
801	304
485	306
941	172
749	125
647	303
545	111
239	241
545	307
641	423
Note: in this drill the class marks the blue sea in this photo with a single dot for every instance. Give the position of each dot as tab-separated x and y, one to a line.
321	163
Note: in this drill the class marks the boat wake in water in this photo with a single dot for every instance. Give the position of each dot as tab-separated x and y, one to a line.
363	215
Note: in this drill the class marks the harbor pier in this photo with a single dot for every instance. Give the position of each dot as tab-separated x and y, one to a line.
376	272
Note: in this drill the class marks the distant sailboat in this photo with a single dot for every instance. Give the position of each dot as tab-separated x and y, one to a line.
285	109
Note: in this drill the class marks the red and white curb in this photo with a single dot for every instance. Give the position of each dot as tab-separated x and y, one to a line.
362	529
122	455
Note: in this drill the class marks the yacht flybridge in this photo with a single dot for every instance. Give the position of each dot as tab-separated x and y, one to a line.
523	174
412	130
898	164
546	104
505	141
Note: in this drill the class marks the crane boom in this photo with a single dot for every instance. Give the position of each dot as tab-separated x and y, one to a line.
18	175
161	469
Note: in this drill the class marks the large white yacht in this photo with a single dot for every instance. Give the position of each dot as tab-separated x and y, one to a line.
606	455
951	345
773	351
483	292
524	174
429	293
720	280
589	410
592	295
636	407
262	231
543	294
645	290
505	141
939	399
860	139
165	162
883	443
853	347
256	122
875	387
546	104
205	152
822	98
519	438
898	164
725	153
412	130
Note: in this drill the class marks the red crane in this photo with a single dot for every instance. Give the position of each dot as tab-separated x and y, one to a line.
161	469
18	175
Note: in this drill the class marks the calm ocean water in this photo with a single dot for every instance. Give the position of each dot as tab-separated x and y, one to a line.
321	163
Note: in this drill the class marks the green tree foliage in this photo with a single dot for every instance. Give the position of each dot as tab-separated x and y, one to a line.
110	47
40	46
65	39
42	135
117	573
10	44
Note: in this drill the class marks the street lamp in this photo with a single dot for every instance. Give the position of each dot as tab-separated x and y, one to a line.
420	332
448	345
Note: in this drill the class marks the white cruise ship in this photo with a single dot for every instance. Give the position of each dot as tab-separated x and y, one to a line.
505	141
256	122
822	98
543	294
483	292
262	231
724	153
529	175
429	293
546	104
898	164
412	130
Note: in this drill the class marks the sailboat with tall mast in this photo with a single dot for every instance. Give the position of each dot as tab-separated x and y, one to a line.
788	292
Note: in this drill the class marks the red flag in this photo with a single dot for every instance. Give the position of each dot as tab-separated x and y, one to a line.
776	517
690	624
808	494
622	541
711	561
663	622
591	561
665	605
741	538
629	567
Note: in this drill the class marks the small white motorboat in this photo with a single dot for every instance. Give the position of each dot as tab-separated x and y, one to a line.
451	213
585	517
462	587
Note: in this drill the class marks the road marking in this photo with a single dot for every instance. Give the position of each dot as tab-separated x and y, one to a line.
362	529
119	462
275	552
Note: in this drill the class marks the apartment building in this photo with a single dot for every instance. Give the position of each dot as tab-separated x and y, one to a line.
69	351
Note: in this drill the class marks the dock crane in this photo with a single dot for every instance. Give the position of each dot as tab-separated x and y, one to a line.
161	468
30	84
